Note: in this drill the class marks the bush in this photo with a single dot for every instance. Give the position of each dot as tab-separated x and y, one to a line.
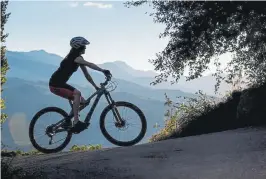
36	152
205	114
22	153
85	148
180	114
19	153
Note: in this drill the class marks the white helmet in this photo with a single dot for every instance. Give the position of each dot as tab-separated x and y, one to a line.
78	42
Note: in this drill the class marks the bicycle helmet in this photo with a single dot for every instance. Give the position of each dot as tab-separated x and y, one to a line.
77	42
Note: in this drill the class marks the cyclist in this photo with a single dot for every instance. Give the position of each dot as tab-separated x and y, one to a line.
58	81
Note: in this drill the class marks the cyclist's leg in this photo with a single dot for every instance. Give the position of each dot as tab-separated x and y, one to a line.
64	90
76	104
69	92
77	98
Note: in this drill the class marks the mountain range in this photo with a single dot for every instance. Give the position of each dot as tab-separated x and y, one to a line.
26	92
24	98
41	59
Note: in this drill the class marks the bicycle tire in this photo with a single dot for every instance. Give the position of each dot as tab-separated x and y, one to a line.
117	142
32	124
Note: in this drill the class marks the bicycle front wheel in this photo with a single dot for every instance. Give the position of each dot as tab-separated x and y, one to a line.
134	115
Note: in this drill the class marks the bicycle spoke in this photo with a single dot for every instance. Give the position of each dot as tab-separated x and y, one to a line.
133	124
42	131
123	132
40	126
110	122
40	136
58	141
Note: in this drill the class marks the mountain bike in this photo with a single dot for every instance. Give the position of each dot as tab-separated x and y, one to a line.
65	124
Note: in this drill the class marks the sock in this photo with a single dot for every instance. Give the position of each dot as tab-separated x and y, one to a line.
75	122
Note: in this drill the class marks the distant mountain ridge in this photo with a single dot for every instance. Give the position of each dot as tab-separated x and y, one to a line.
27	91
134	72
121	70
37	55
32	69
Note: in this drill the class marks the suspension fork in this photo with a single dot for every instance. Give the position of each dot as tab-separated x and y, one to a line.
113	106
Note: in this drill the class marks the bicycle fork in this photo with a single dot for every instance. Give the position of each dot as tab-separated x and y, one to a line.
115	112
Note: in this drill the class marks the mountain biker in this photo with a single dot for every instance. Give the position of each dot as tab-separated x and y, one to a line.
58	81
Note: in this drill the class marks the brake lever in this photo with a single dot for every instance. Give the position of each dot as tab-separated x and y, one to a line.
108	77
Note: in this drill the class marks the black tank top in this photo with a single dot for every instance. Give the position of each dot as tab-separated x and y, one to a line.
67	67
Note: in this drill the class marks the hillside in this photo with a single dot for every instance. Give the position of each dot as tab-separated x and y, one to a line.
237	154
29	68
41	59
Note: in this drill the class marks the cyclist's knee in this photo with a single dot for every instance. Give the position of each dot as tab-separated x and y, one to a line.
77	93
82	99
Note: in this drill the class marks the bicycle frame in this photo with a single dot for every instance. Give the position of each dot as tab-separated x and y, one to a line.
98	94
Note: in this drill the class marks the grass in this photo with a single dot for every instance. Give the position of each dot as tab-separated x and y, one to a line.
36	152
206	115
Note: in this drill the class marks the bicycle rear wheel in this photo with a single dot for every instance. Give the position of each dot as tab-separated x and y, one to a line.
135	110
36	117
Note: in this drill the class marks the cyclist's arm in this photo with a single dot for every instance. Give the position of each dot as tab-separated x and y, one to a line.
81	61
87	75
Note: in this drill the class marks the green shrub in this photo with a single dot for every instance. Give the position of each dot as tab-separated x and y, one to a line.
199	115
85	147
20	152
36	152
239	108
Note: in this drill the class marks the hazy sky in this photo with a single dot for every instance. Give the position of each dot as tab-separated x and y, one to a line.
115	32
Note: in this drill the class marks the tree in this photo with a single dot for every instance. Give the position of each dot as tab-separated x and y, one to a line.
200	31
4	63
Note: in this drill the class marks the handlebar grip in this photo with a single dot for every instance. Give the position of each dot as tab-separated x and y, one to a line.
108	78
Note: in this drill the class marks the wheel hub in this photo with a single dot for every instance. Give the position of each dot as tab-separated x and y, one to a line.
49	131
120	125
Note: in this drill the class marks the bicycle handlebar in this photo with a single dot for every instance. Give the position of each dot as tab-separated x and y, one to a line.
107	78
